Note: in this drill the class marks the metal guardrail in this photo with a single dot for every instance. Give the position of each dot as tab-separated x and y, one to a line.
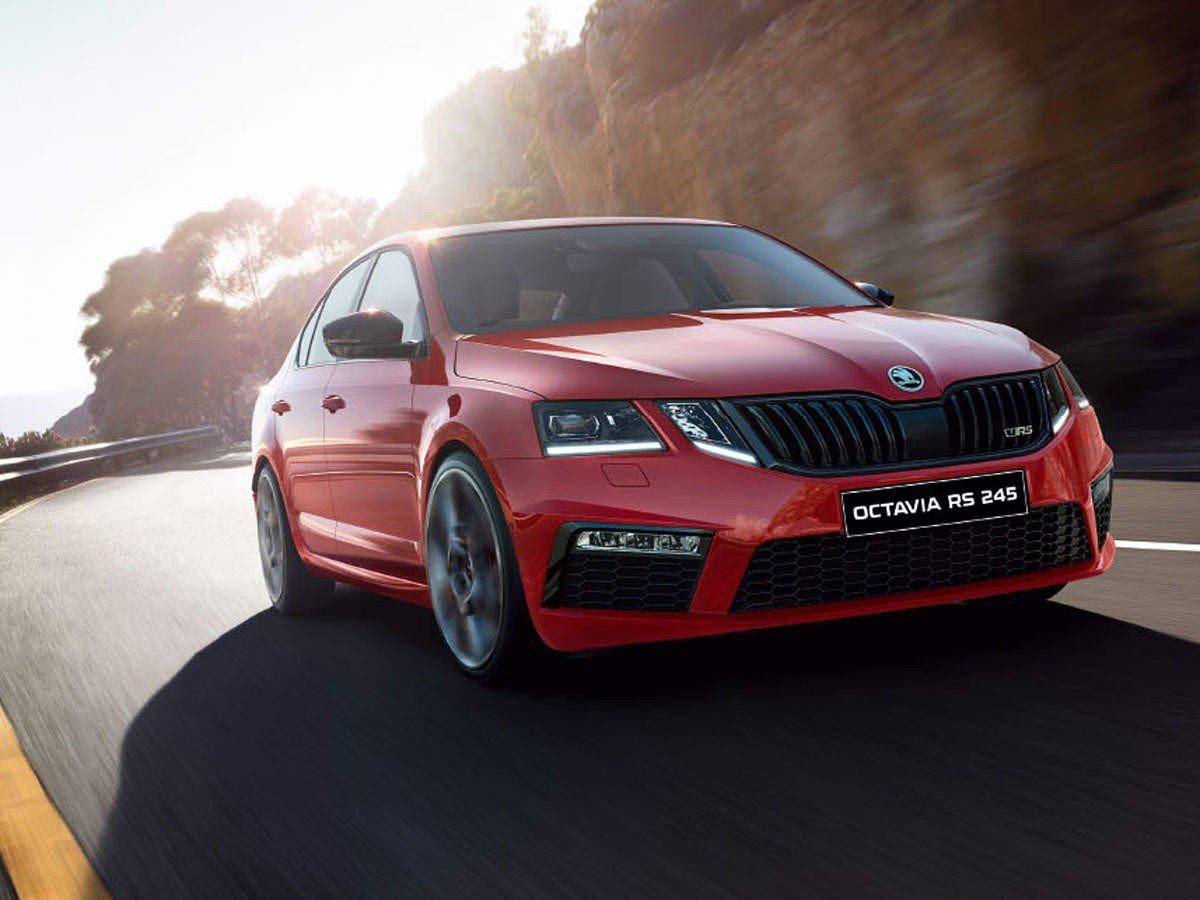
88	460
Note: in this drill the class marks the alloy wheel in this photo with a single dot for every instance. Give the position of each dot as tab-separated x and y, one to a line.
270	538
465	567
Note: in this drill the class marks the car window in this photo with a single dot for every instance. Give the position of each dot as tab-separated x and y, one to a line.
529	278
393	288
747	282
339	302
301	348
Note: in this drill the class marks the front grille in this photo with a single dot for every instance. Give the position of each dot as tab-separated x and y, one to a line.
981	419
811	570
620	581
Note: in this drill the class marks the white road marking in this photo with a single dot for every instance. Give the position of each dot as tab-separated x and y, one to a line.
1158	545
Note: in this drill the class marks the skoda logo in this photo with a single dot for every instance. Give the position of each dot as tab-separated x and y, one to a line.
906	379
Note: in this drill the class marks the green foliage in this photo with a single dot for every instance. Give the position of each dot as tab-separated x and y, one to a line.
32	443
323	222
184	334
510	203
233	247
539	40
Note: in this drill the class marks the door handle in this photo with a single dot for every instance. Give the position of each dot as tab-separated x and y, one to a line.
333	403
279	407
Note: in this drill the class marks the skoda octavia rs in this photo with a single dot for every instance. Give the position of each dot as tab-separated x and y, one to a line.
589	432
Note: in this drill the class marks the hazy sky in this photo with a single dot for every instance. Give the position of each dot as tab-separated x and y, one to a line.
117	119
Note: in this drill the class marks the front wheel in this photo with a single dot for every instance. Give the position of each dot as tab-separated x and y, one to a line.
474	584
293	589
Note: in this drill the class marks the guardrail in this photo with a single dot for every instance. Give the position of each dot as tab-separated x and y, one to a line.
28	474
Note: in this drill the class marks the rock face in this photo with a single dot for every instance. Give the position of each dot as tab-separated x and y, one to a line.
77	423
1033	162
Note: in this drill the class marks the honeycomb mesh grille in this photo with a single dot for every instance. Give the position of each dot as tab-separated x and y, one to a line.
620	581
823	569
1103	518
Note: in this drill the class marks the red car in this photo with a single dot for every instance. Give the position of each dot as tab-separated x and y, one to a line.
592	432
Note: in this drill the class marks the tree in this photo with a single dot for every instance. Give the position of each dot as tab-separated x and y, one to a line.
539	40
236	247
149	284
325	223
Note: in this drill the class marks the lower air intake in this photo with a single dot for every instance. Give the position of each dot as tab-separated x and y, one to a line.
807	571
1103	519
630	582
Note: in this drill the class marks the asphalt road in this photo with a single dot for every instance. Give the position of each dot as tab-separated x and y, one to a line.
199	745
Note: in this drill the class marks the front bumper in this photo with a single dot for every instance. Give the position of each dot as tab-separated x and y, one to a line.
744	507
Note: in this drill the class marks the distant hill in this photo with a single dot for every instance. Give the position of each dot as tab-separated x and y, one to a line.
76	423
36	411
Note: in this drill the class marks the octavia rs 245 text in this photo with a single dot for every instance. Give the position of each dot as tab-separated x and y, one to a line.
590	432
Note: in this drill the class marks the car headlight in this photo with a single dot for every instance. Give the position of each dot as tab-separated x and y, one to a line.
1081	399
591	427
1056	398
709	429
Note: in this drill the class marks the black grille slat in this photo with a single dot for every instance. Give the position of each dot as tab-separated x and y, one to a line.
806	571
977	419
841	457
767	428
959	426
988	420
1011	416
974	417
868	428
809	423
890	432
1029	402
998	417
852	432
797	449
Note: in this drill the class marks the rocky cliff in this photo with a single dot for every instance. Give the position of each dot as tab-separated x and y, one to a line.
1011	159
1014	159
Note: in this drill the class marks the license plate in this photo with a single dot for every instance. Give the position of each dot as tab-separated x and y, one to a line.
928	504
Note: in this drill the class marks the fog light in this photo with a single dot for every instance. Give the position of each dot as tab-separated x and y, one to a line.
1102	488
662	543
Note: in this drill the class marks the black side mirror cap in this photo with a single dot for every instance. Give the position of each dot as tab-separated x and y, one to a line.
875	292
367	334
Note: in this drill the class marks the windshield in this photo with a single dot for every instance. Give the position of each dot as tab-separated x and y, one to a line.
505	280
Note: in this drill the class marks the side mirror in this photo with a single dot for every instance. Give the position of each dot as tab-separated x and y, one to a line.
367	334
875	292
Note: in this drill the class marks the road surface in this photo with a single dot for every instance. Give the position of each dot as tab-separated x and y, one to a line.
199	745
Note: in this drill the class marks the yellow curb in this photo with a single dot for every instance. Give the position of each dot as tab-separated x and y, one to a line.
42	856
28	504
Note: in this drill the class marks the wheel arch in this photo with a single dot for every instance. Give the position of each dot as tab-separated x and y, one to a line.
458	439
261	462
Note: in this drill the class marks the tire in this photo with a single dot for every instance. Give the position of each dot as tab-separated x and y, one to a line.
474	583
292	588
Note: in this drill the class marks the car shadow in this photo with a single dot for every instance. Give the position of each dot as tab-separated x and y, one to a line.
956	751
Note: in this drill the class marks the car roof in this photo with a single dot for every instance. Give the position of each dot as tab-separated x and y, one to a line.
530	224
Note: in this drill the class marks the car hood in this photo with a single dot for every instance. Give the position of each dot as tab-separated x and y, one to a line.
747	353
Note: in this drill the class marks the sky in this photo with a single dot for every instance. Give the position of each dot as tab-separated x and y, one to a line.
118	119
